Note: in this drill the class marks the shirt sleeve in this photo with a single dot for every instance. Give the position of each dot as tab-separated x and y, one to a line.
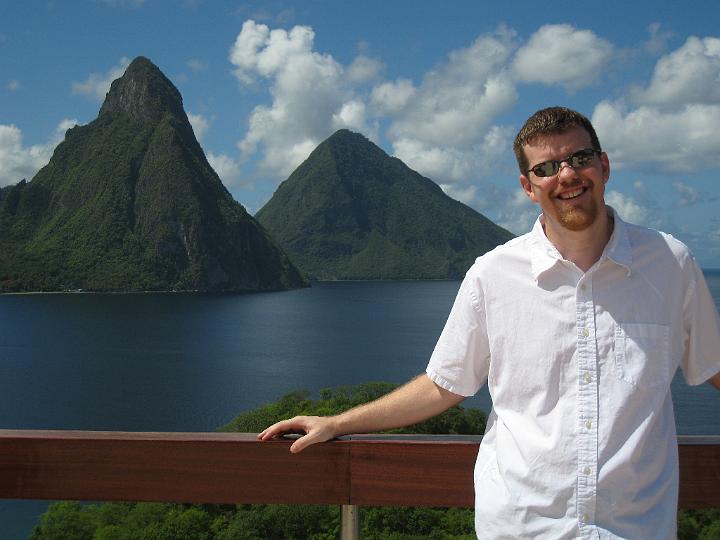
461	359
701	359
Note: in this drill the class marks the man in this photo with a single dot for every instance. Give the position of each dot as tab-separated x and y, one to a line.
578	328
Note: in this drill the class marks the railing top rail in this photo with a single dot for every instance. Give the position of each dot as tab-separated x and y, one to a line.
366	470
252	437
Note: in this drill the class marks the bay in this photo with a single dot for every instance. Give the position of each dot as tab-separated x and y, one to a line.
190	362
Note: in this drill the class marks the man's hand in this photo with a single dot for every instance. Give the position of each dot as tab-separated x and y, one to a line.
715	380
314	429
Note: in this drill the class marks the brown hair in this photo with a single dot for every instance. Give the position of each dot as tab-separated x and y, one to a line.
550	121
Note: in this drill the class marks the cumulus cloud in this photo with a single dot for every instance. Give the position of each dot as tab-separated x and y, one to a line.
561	54
673	127
464	194
98	84
688	194
390	98
363	69
627	208
196	65
516	212
684	140
200	125
690	74
457	102
18	161
658	39
310	97
227	168
444	127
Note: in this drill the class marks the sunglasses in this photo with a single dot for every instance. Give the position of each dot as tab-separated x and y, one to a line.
577	160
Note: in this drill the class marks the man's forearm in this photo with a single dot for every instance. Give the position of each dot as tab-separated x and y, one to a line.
413	402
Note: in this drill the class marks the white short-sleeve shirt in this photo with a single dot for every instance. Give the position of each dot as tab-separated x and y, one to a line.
581	440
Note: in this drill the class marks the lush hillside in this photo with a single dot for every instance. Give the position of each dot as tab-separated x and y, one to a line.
129	202
350	211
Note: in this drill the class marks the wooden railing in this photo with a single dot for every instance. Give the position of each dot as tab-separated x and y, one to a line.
229	468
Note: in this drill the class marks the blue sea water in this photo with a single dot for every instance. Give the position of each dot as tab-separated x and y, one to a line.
190	362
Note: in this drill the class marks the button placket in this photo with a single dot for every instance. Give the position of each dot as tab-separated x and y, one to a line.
587	405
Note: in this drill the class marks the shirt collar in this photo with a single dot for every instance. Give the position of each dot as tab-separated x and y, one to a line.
544	255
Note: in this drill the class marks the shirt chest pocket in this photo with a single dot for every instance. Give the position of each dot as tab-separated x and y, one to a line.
642	354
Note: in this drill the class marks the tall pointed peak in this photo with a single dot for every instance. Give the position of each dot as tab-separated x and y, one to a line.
345	137
143	92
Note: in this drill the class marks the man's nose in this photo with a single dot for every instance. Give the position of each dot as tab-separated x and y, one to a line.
566	172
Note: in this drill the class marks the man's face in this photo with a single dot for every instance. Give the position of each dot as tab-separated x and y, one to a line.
572	198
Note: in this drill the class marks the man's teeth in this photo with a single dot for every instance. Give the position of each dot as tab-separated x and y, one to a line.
571	194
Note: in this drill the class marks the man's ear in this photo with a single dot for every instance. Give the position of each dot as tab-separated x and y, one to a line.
527	188
605	162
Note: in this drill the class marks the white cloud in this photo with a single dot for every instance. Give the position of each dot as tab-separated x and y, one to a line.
391	97
200	125
627	208
363	69
307	88
13	85
196	65
442	128
226	168
353	115
561	54
688	194
683	140
98	84
436	162
18	161
690	74
658	39
464	194
516	212
457	102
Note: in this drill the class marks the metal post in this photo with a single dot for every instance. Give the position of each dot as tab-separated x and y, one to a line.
349	522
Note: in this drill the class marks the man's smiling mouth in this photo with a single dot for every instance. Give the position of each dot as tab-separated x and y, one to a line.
572	194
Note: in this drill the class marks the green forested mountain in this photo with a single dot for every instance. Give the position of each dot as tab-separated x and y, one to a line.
129	202
350	211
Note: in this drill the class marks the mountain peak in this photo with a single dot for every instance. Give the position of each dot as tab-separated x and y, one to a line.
143	93
129	202
350	211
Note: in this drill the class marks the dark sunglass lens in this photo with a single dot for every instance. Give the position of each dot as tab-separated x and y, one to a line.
544	169
582	158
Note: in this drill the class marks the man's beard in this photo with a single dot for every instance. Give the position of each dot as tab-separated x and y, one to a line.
578	218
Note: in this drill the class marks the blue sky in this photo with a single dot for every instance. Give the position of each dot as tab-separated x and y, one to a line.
442	85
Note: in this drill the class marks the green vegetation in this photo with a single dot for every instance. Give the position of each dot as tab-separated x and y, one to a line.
130	203
699	524
350	211
155	521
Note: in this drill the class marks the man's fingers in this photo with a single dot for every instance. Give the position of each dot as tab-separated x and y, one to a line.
313	430
281	428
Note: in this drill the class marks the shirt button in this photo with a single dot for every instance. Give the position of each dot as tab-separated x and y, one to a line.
586	470
583	287
587	378
585	518
585	332
588	424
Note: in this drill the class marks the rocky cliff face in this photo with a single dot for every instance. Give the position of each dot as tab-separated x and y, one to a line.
350	211
129	202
